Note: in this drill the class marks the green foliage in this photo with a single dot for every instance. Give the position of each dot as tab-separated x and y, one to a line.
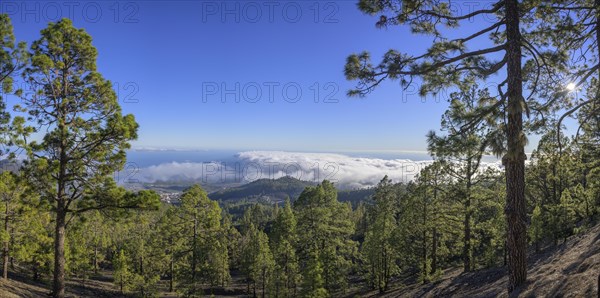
26	231
78	254
203	255
13	57
313	285
145	253
277	189
122	276
379	248
84	135
536	228
257	261
283	242
489	227
263	263
324	232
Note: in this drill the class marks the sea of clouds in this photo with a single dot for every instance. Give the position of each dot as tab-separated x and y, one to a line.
345	171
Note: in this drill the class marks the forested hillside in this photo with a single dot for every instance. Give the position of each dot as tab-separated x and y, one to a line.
275	189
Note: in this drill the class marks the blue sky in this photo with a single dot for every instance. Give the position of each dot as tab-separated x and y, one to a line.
175	62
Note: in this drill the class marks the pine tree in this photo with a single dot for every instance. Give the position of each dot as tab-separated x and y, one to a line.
536	228
565	215
173	242
121	271
504	45
313	282
206	242
99	237
86	135
33	241
146	248
429	214
11	192
489	230
462	152
283	242
379	248
324	231
257	260
78	254
233	240
14	57
7	44
263	263
573	28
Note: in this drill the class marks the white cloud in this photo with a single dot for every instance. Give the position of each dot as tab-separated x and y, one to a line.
179	171
345	171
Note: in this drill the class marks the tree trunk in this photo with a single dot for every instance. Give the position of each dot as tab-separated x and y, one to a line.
96	258
36	274
425	273
277	284
5	250
59	251
434	243
434	246
194	251
172	277
505	254
142	263
514	160
254	289
264	276
385	270
467	239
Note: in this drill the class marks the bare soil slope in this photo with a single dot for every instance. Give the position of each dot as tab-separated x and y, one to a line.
571	269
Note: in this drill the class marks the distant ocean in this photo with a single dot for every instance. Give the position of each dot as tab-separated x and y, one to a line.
146	158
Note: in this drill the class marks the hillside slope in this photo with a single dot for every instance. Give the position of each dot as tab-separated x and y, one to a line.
569	270
277	189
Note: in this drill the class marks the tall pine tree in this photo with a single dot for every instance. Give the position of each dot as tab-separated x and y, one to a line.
85	134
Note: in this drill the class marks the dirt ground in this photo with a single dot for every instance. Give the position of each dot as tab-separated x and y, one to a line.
571	269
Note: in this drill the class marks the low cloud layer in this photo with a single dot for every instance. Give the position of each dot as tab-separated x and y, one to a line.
345	171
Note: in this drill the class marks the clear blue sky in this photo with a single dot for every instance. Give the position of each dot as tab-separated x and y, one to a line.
171	60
